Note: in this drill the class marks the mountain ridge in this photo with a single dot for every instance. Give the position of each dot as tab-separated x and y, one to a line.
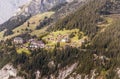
29	7
9	7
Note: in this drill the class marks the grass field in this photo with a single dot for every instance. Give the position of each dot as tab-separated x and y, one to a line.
21	50
34	21
54	36
108	22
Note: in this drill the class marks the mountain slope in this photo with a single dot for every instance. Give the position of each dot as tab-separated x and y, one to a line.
97	58
21	19
29	9
9	7
84	19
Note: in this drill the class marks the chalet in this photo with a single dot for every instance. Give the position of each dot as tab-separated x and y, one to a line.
37	44
66	40
82	41
31	40
18	40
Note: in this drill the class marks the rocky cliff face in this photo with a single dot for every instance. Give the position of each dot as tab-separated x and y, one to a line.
9	8
38	6
26	9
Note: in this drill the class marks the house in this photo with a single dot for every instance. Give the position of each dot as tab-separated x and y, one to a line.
31	40
18	40
37	44
66	40
83	40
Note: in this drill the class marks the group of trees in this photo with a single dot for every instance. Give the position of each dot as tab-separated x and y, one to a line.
39	60
109	41
14	22
8	32
45	22
106	43
85	18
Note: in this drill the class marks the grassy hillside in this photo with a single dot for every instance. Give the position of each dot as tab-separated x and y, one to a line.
107	43
34	21
84	19
75	36
31	28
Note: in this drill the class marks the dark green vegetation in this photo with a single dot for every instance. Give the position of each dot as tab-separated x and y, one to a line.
85	18
101	53
58	7
108	43
7	53
8	32
39	59
14	22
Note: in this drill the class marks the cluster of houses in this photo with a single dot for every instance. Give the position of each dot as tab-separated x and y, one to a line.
59	38
33	43
36	44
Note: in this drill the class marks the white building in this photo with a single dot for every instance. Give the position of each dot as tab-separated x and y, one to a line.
37	44
18	40
65	40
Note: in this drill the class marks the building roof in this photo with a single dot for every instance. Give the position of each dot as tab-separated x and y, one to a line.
18	38
37	42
